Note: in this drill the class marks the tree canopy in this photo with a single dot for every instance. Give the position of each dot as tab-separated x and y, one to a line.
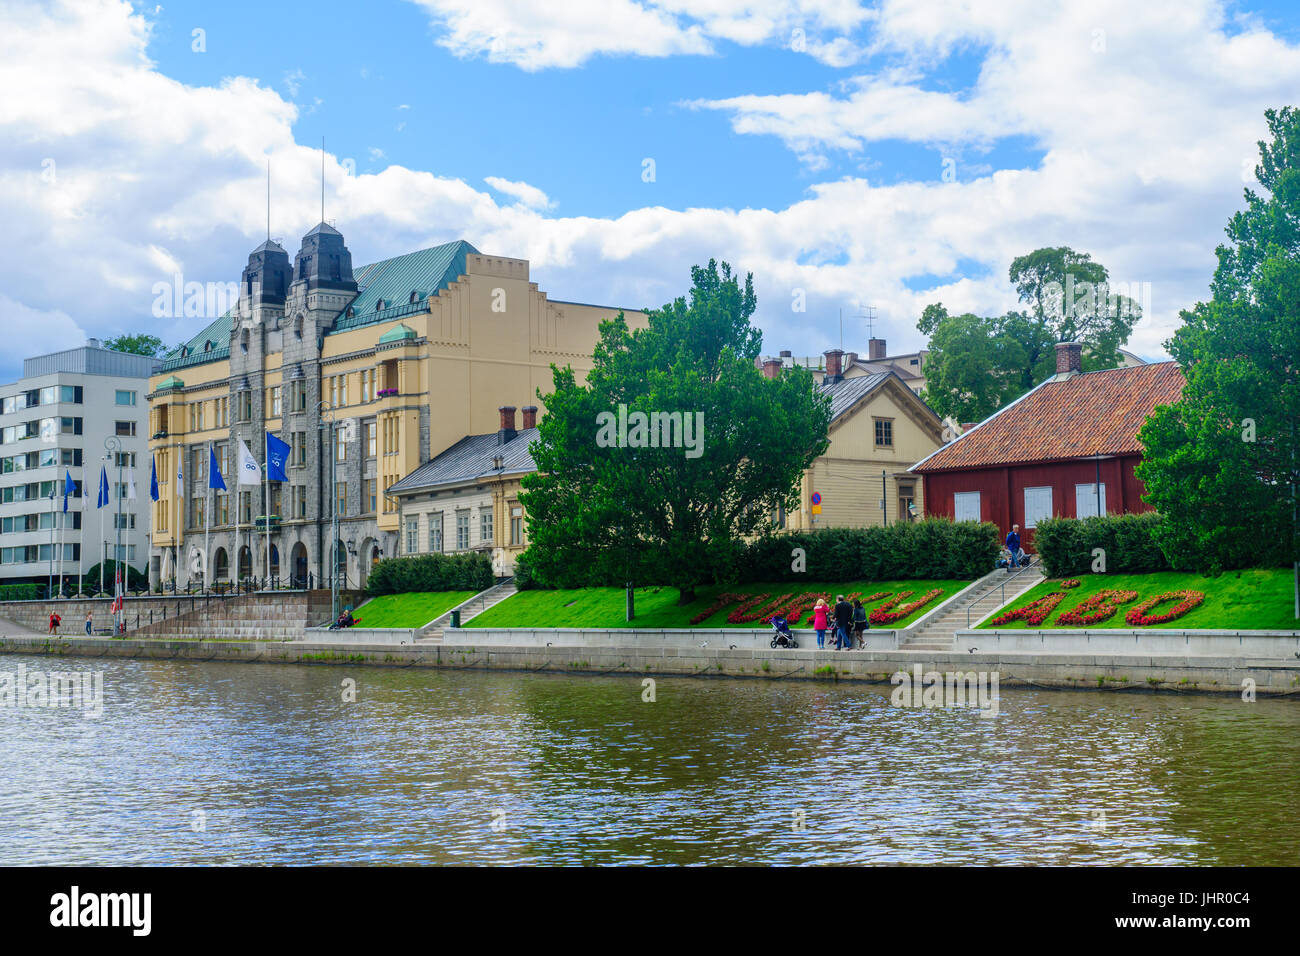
141	344
666	499
1221	463
977	364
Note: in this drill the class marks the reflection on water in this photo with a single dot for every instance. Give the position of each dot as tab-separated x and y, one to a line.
469	767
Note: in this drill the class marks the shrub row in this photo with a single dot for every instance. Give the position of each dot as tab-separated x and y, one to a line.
934	548
1130	542
22	592
431	572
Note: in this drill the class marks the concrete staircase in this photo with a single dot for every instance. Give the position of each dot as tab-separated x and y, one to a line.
432	632
260	616
992	591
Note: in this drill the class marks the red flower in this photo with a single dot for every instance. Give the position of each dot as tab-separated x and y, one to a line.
1035	612
1070	583
1100	607
1186	601
883	614
750	601
719	602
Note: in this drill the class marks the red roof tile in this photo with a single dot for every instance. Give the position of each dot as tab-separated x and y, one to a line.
1096	413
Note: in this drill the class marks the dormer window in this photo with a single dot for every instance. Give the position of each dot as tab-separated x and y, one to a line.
379	305
415	297
351	312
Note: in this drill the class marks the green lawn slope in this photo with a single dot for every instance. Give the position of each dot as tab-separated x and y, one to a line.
409	610
658	608
1236	600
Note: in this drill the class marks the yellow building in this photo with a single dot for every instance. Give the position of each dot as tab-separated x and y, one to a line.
879	428
366	375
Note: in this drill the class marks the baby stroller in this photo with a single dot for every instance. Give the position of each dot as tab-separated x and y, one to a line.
782	637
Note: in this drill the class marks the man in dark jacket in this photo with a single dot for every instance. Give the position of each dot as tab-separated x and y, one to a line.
1013	548
843	624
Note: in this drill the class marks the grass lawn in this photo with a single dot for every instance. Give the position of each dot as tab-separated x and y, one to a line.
657	607
415	609
1247	600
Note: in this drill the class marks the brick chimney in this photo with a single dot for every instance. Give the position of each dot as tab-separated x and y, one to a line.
530	416
834	368
507	430
772	368
1069	359
875	349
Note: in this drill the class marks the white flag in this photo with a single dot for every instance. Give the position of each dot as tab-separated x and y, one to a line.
250	472
130	484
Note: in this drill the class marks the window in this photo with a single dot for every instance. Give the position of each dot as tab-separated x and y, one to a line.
300	449
367	384
435	532
275	401
72	394
300	396
372	496
123	397
343	389
124	521
48	458
485	526
372	438
966	506
884	432
906	498
221	412
223	508
1089	501
244	408
124	459
462	530
913	361
300	501
412	534
1038	505
516	525
342	501
341	444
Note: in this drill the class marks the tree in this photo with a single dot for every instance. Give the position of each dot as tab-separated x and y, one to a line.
141	344
667	498
978	364
1221	462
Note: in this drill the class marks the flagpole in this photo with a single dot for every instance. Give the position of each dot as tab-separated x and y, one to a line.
62	521
103	546
266	518
207	525
81	558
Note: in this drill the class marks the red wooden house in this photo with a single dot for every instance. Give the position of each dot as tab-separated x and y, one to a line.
1066	448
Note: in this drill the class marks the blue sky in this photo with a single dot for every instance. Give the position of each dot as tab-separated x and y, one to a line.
888	154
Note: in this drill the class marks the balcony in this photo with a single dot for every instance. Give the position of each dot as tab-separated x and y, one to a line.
263	522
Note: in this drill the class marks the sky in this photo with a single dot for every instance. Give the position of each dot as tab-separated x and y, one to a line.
850	155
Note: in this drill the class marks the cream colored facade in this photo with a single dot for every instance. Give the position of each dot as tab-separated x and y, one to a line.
432	524
395	392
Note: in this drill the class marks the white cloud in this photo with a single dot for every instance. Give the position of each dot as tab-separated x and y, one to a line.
376	153
530	196
29	331
293	82
537	36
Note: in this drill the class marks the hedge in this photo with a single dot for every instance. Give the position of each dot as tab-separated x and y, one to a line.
22	592
934	548
136	580
1130	543
431	572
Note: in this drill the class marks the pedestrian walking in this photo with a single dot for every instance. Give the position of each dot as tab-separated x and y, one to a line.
1013	548
90	621
55	620
859	623
820	612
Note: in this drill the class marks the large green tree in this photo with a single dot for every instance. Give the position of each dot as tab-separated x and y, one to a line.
979	363
606	506
142	344
1221	463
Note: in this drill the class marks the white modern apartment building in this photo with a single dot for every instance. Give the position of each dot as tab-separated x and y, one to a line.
56	419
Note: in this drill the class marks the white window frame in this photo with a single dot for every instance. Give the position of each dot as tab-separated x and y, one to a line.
1036	509
961	502
1088	492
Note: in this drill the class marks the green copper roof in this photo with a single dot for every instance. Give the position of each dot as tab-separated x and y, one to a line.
387	287
385	294
170	382
397	333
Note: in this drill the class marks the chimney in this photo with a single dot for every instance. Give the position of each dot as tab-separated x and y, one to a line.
530	416
786	353
772	368
875	349
507	431
834	368
93	343
1069	359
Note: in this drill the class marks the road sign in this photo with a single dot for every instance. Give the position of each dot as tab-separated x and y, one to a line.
817	497
817	509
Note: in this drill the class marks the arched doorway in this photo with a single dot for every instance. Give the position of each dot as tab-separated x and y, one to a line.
245	563
341	563
298	562
220	565
275	560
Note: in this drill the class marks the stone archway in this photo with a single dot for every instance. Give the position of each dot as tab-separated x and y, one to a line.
220	565
245	563
298	565
365	559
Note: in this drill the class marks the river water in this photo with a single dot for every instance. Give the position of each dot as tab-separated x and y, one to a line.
218	763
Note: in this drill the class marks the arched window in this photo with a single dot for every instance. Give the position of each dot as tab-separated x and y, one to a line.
243	340
379	305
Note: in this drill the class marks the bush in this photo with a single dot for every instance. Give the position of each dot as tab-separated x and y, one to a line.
431	572
136	580
1131	544
934	548
22	592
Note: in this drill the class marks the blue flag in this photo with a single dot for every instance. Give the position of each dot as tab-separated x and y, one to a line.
103	488
68	489
153	479
214	473
277	456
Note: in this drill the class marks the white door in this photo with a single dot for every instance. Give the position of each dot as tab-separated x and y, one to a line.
1038	505
966	506
1086	500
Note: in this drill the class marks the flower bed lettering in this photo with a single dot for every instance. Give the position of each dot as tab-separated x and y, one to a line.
1100	607
884	614
1187	600
1034	613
